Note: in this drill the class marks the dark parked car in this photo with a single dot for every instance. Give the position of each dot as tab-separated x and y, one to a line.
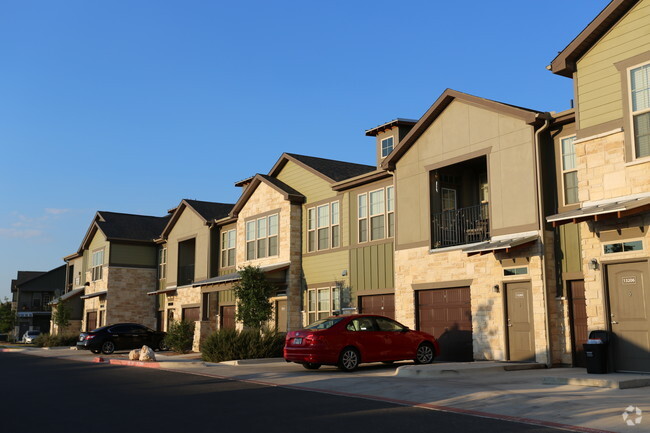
347	341
121	336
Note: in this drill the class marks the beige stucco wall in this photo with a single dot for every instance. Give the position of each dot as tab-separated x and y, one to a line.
461	130
189	225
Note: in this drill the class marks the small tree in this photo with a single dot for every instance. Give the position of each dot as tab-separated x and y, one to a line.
253	292
180	336
7	317
61	315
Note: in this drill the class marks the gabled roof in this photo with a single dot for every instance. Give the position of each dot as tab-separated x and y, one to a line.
565	62
372	132
123	227
328	169
447	97
288	192
23	276
47	281
208	211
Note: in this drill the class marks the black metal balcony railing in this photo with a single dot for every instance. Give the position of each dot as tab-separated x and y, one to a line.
185	275
460	226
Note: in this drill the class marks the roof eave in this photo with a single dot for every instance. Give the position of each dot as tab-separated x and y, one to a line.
363	179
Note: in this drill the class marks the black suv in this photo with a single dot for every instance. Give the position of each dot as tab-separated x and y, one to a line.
121	336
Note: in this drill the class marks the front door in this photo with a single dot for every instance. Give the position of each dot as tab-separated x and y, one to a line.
629	302
91	320
579	331
521	333
281	315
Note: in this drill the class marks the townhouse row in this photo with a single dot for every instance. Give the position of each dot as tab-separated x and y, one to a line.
508	233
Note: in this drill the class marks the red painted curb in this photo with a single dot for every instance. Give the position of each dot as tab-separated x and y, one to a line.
134	363
99	359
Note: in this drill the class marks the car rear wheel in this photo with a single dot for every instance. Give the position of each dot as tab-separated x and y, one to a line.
424	354
349	359
311	366
108	347
162	346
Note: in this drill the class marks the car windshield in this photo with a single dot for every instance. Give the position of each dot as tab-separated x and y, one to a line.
33	332
324	323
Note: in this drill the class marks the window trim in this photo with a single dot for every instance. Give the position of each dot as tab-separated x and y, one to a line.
623	242
97	271
369	216
563	171
314	230
162	263
266	238
381	146
226	249
334	303
632	113
626	123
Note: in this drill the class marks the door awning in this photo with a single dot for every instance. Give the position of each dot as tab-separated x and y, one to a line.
236	277
500	245
93	295
70	294
616	209
162	291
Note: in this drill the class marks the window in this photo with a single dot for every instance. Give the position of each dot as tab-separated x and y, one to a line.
262	237
448	199
322	302
228	243
622	247
162	263
569	172
323	227
376	214
386	146
515	271
640	99
97	265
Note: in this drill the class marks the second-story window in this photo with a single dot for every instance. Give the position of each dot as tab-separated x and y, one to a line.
569	171
97	265
262	237
323	227
640	88
162	263
376	214
228	243
387	146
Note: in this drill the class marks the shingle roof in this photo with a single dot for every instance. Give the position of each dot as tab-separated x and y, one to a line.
278	183
131	227
335	170
23	276
210	210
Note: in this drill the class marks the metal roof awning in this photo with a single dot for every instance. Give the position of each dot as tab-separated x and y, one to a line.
70	294
617	209
93	295
162	291
236	277
502	244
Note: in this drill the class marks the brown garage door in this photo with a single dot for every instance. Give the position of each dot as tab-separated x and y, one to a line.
91	320
227	317
383	305
191	314
447	315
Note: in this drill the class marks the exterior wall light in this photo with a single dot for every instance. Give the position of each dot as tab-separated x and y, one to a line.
496	288
593	264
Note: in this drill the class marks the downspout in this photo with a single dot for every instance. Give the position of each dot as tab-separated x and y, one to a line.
540	202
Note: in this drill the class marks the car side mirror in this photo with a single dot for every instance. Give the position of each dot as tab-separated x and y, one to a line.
406	329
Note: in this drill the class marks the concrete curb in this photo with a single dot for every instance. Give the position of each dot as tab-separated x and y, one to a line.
251	361
597	383
468	368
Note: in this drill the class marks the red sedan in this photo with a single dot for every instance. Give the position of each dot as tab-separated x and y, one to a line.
347	341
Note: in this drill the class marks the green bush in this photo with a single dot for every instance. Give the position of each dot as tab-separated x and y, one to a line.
180	336
229	344
48	340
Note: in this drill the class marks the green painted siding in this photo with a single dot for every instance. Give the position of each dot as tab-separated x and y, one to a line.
371	267
599	81
134	255
324	268
226	296
570	247
313	187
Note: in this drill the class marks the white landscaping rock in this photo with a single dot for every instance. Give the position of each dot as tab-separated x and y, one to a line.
134	355
146	354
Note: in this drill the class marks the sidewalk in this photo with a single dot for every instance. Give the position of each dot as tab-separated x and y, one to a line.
481	388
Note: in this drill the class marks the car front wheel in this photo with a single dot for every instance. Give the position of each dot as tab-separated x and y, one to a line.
349	359
424	354
108	347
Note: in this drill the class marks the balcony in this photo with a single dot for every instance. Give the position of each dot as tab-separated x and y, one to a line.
460	226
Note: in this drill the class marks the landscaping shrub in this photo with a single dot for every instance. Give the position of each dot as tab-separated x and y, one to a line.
48	340
180	336
229	344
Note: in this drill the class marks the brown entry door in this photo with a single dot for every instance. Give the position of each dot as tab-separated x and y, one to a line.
579	331
521	333
227	315
629	302
447	315
281	316
383	305
91	320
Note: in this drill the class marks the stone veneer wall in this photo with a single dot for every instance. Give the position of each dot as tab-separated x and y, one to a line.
74	327
127	299
93	304
418	265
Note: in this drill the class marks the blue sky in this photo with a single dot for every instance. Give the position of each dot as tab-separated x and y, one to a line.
131	106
